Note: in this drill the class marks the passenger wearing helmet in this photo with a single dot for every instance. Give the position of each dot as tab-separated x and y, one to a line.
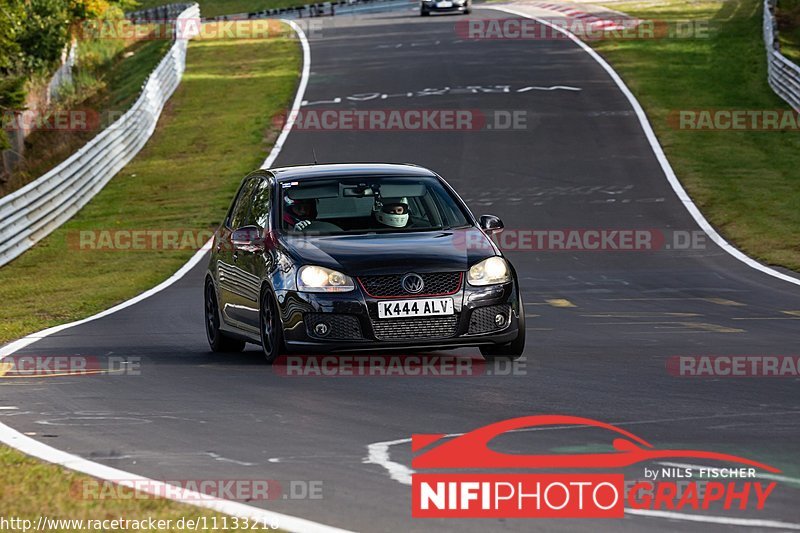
391	212
299	214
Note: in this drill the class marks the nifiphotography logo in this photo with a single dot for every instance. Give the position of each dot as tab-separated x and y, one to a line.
602	493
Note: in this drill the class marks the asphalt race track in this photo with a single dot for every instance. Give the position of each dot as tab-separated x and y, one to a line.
601	326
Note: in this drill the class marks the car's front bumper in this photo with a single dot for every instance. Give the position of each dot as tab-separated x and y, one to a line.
353	324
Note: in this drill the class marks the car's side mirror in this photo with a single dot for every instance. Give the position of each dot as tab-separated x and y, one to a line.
491	224
248	239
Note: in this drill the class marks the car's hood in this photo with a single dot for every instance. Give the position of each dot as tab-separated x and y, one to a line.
430	251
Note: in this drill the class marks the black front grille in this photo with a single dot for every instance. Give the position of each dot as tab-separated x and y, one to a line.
482	318
415	328
388	286
340	326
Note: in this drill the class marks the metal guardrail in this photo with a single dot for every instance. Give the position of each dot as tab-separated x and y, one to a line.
169	12
34	211
782	74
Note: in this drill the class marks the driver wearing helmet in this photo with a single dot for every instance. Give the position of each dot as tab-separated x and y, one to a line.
391	212
299	214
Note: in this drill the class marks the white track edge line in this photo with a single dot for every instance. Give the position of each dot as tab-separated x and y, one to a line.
683	196
34	448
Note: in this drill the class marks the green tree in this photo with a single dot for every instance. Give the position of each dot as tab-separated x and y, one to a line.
44	34
11	15
12	82
33	34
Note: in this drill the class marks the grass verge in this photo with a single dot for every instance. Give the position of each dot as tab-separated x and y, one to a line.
745	182
216	128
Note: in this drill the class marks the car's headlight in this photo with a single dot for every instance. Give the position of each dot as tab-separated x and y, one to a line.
311	278
490	271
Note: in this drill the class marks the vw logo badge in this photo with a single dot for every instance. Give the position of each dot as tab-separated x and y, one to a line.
413	283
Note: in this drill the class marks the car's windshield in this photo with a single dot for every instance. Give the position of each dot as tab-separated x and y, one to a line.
333	206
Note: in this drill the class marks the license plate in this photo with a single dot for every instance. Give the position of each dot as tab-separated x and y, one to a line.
409	308
444	4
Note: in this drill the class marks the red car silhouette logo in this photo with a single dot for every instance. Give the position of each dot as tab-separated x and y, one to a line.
471	450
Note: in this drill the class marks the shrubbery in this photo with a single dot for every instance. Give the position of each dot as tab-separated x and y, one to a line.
33	34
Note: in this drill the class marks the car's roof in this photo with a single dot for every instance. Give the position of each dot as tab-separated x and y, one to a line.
348	169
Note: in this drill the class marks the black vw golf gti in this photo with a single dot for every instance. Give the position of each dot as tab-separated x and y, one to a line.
358	257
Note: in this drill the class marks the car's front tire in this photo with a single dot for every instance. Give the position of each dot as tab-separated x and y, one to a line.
510	350
270	328
424	12
217	339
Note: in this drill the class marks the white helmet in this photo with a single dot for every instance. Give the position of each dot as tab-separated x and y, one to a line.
391	212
